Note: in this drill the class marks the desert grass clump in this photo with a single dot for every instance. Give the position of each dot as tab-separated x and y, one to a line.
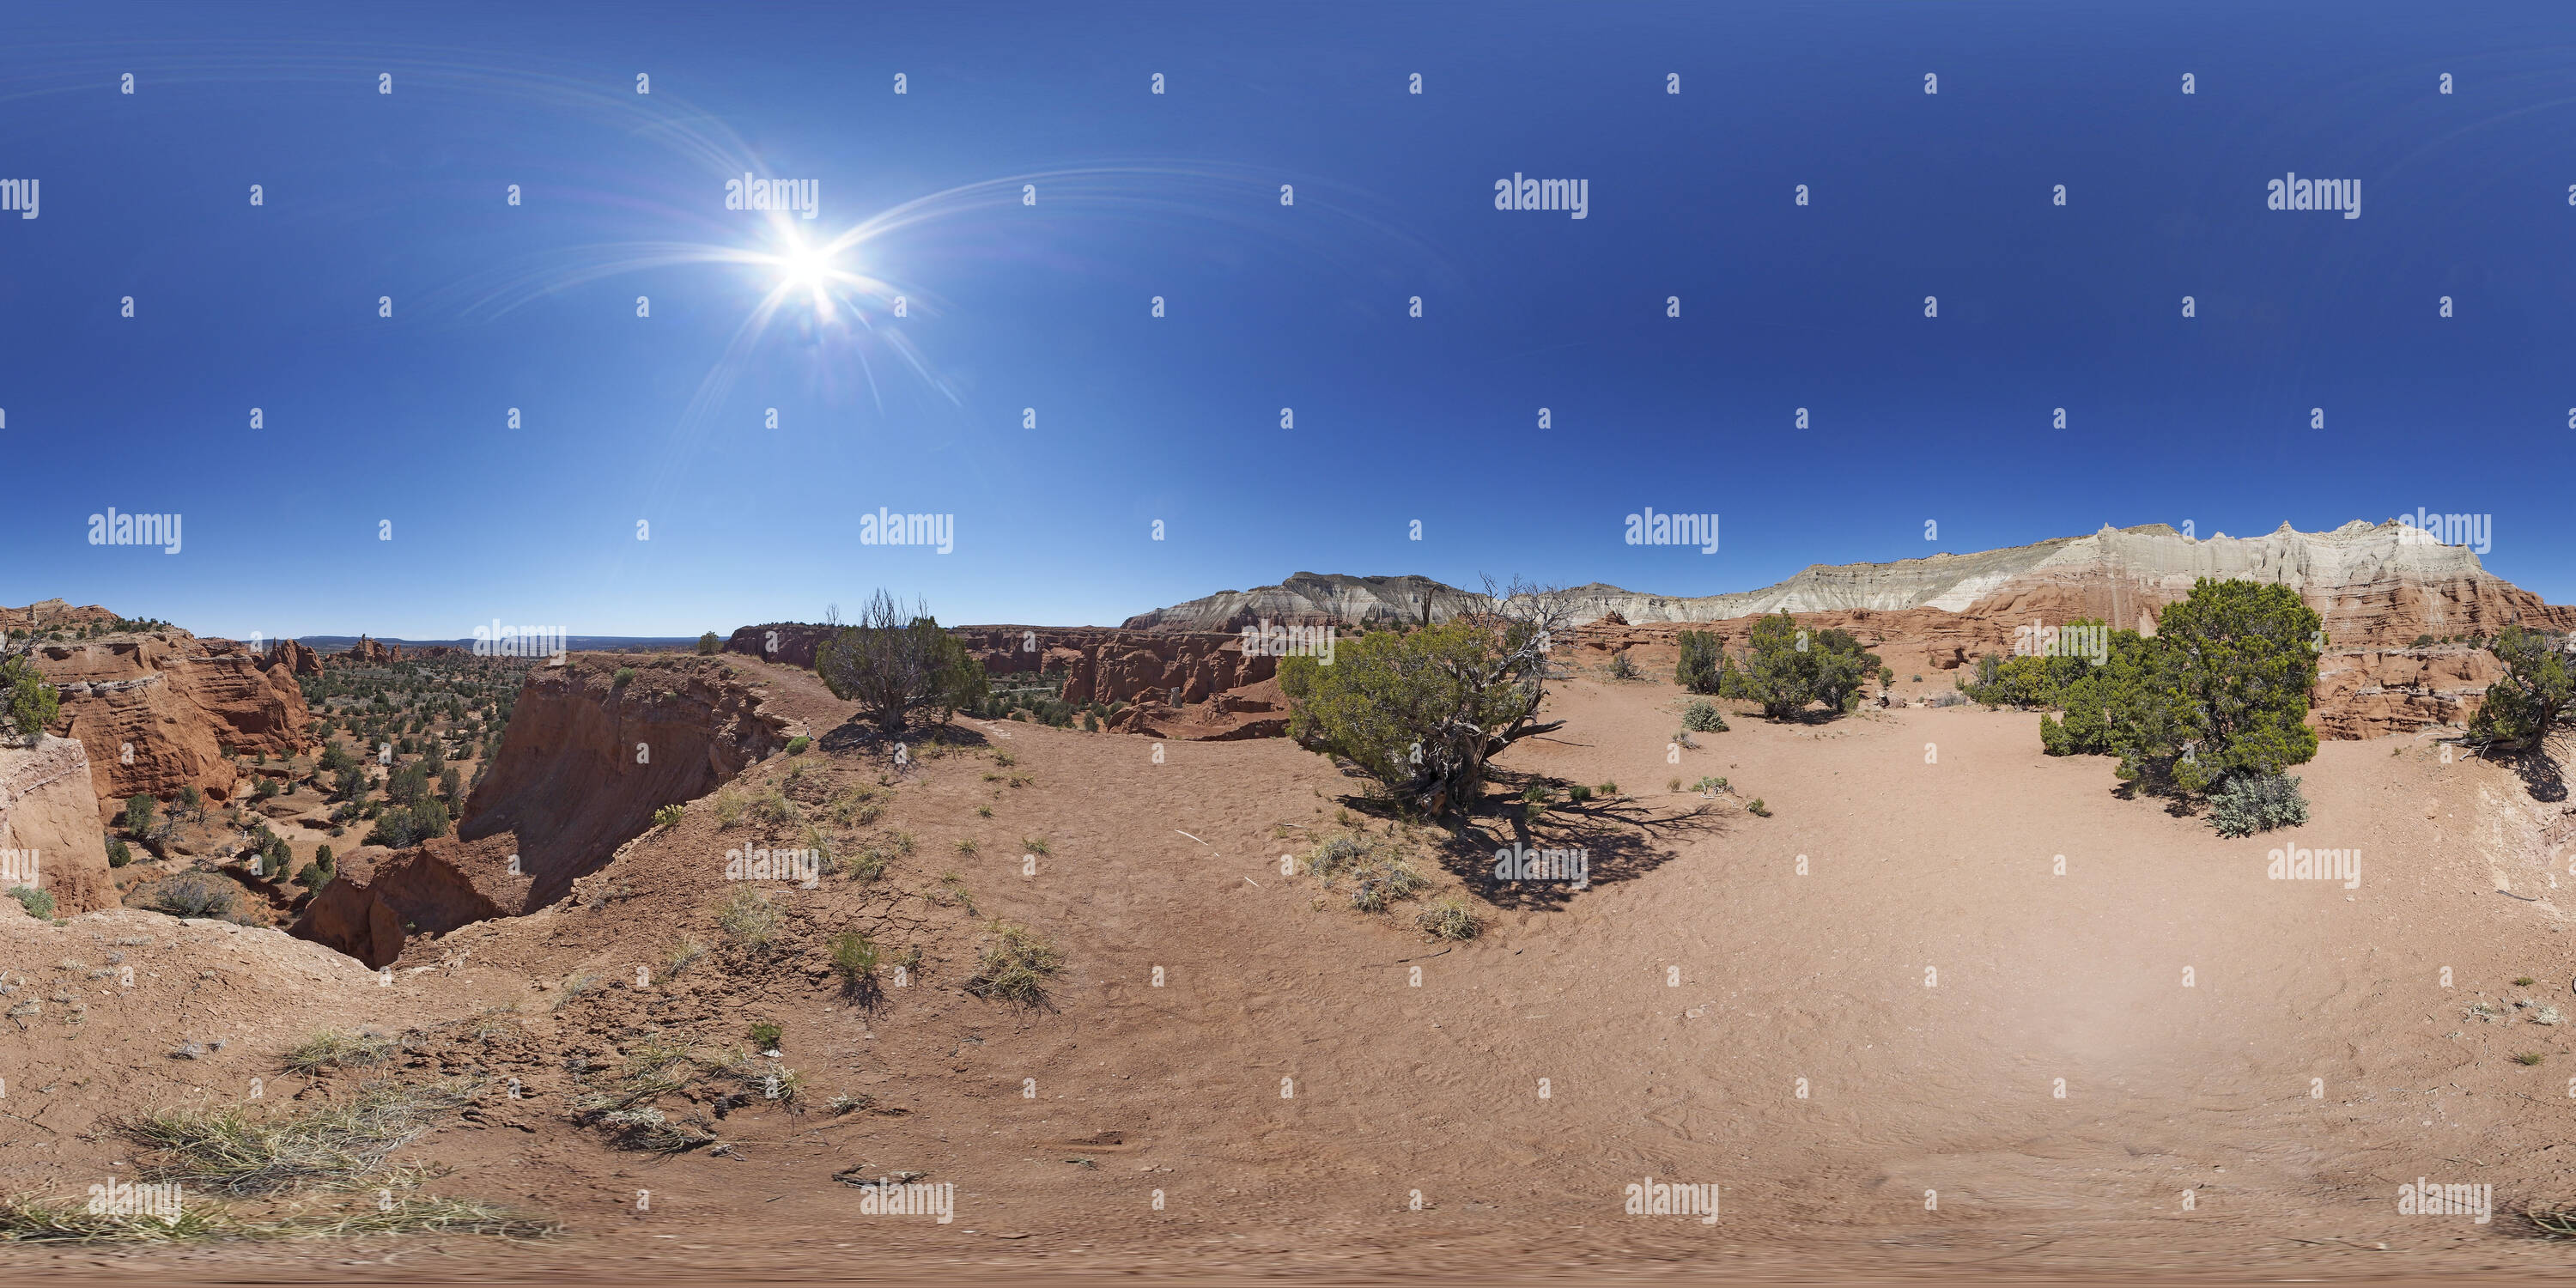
1015	966
749	919
1033	845
765	1034
775	809
1758	809
1451	919
195	894
1372	876
951	892
669	815
854	958
333	1049
729	802
682	956
229	1149
856	807
2530	1057
38	903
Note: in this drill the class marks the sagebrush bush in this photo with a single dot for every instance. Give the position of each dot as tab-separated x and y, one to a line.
1703	717
2250	803
195	894
38	903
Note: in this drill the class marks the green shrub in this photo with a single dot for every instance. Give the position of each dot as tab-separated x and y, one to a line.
267	789
669	815
138	814
38	903
764	1034
709	645
1621	668
119	854
625	676
394	830
32	703
1703	717
429	817
898	664
2250	803
1697	672
1758	809
313	876
2537	693
796	746
1579	794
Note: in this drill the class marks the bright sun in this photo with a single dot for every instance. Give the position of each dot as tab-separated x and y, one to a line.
805	266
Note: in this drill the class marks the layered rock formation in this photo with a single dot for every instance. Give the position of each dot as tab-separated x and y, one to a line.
2377	587
49	822
53	615
2374	584
155	710
585	761
792	643
1313	599
1195	686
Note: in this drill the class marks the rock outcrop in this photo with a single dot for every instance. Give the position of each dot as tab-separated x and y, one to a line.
368	652
1313	599
586	761
296	658
49	824
792	643
2377	587
156	709
2374	584
381	898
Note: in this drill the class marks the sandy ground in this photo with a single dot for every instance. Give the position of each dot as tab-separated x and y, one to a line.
2250	1067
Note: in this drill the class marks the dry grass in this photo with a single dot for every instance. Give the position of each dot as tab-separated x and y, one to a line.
749	919
229	1149
1015	966
1373	876
1450	918
27	1219
333	1049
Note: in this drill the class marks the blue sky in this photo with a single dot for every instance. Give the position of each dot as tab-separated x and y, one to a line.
370	420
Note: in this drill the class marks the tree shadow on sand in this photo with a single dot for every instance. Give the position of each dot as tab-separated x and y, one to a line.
1622	839
855	734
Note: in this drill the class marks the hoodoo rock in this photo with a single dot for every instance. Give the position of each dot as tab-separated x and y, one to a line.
368	652
296	658
50	837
